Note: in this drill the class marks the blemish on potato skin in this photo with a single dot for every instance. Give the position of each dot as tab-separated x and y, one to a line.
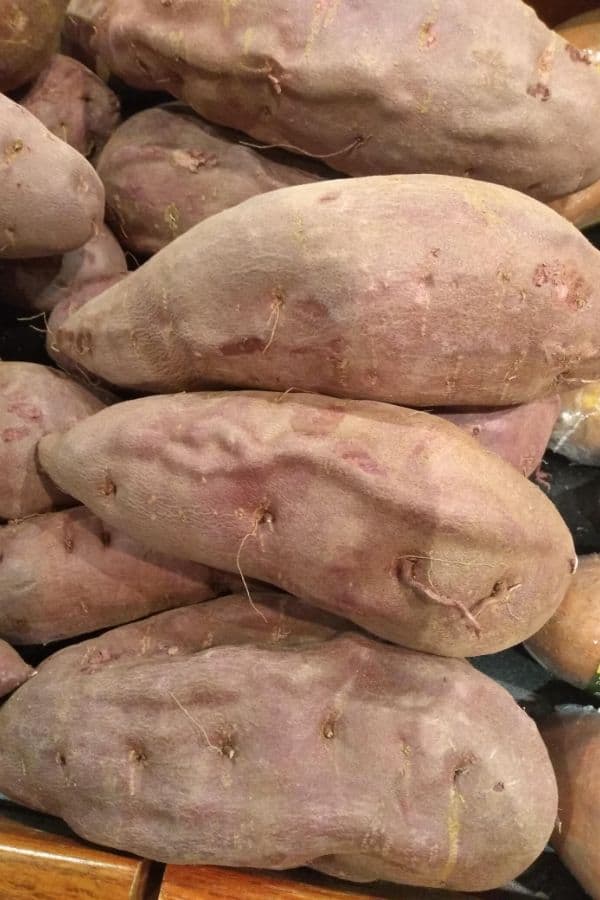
577	55
10	435
108	488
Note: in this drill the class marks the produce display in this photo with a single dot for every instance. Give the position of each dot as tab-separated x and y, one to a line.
299	442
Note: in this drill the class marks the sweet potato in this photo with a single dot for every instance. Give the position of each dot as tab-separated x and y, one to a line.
52	199
34	400
366	288
29	34
361	759
13	670
41	284
74	104
459	88
66	573
518	434
576	434
165	170
80	30
569	644
583	207
368	510
572	736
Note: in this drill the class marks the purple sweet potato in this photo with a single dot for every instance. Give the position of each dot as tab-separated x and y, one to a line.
572	736
273	743
368	510
74	104
459	88
13	670
366	288
164	170
34	400
519	434
52	199
70	280
29	34
66	573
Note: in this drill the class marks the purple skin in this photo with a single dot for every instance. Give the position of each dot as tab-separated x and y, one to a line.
229	735
13	670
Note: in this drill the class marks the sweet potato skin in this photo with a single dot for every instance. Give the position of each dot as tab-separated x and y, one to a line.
164	170
13	670
79	35
572	736
569	643
405	775
576	433
519	434
364	288
74	104
41	216
29	33
34	400
367	510
583	207
311	79
39	285
66	573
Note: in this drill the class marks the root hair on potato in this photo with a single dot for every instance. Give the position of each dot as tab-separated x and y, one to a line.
259	518
407	571
356	143
195	723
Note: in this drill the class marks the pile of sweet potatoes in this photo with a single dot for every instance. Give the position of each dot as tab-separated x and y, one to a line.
308	313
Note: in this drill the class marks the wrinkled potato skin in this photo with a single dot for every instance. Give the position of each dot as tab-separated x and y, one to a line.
583	207
34	400
74	104
40	285
376	88
29	34
569	644
66	573
367	510
367	288
519	434
42	216
165	170
13	670
572	736
576	434
184	752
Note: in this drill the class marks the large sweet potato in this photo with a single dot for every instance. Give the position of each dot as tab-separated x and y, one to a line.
519	434
74	104
66	573
361	759
367	288
569	644
13	670
34	400
368	510
572	736
460	88
165	170
583	207
576	433
41	284
52	199
29	33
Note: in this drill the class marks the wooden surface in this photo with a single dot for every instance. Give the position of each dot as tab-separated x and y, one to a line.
37	865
